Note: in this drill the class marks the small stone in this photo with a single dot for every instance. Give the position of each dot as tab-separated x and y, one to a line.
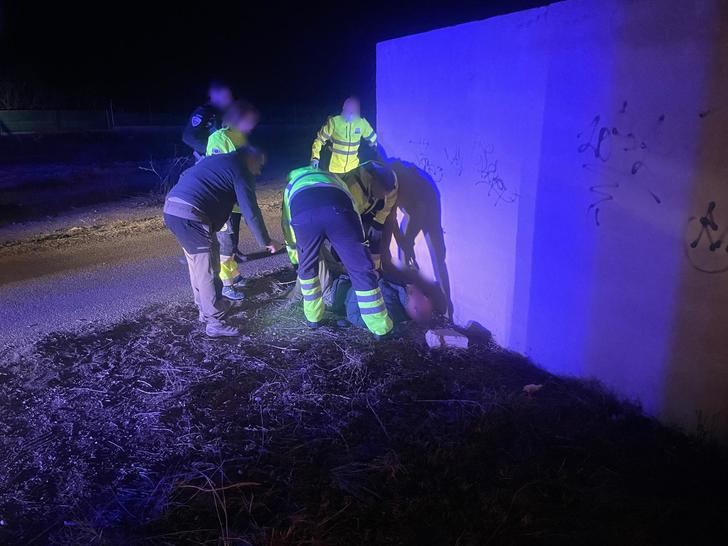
446	337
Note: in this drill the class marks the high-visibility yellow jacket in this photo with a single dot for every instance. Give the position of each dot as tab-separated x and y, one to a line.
224	141
299	180
345	137
371	209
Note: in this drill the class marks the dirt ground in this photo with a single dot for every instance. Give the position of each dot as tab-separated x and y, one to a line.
147	432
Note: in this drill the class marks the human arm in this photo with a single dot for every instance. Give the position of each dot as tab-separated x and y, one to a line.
322	137
368	133
248	203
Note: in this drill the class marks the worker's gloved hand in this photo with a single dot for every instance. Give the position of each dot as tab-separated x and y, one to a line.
315	163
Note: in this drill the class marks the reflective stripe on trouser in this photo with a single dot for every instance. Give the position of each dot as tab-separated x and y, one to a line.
373	311
227	239
313	303
342	227
228	270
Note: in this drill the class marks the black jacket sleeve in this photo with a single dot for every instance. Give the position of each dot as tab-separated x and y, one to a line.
248	203
197	130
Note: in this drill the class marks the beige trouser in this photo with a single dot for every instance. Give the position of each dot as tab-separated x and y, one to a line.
204	268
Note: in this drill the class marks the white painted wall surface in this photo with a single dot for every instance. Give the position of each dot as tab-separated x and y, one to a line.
572	247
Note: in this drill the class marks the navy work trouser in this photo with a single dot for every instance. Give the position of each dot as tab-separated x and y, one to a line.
342	227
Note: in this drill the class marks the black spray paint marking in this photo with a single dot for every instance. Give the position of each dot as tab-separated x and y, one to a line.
489	176
607	144
455	160
707	227
708	231
423	161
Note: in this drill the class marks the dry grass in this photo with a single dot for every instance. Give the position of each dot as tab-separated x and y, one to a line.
150	433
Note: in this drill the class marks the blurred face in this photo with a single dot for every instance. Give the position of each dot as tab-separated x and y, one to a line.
221	97
351	109
254	161
419	306
246	123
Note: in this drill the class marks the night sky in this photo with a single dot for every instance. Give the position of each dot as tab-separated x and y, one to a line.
160	55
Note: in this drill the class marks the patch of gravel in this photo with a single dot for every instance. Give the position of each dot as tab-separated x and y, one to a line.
145	218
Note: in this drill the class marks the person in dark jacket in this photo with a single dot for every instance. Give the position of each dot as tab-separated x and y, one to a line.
197	207
207	119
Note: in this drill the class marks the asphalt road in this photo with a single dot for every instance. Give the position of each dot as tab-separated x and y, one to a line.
49	289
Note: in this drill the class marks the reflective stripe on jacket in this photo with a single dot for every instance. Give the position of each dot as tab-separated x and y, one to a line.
345	137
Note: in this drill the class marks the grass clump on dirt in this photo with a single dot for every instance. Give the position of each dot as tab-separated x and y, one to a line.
149	433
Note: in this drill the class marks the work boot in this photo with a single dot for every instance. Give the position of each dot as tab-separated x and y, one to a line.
232	293
220	329
313	325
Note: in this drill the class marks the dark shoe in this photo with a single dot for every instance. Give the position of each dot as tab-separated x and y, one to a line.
313	325
232	293
221	330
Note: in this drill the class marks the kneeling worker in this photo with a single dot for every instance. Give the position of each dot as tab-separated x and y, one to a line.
318	206
197	207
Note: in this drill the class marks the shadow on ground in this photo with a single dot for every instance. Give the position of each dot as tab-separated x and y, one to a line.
149	433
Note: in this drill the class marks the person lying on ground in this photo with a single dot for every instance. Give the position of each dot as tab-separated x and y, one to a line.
197	207
403	302
239	120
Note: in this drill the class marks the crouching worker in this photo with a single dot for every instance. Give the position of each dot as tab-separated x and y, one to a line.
197	207
239	120
318	206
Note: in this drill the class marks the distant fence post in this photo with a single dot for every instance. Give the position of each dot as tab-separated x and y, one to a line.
111	114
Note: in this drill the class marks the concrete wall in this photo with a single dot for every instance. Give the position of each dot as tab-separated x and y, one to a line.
569	153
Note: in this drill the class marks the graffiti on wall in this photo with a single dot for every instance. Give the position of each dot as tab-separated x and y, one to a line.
454	163
706	246
619	154
490	177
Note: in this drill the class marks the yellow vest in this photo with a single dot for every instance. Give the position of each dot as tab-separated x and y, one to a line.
224	141
345	138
